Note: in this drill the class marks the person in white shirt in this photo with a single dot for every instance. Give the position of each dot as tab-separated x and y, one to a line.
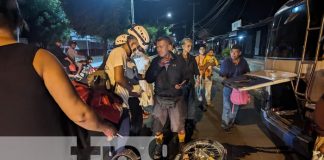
123	74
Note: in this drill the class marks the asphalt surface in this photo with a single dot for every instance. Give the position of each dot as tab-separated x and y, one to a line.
249	139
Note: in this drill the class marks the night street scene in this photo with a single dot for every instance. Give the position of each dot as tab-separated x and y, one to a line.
162	79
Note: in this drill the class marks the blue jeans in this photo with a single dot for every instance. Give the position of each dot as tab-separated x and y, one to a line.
229	113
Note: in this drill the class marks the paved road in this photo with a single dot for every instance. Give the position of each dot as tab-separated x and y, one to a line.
248	139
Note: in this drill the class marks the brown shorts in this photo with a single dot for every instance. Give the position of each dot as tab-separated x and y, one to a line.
176	113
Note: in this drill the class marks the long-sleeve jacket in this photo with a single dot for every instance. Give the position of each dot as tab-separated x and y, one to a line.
229	69
165	79
191	69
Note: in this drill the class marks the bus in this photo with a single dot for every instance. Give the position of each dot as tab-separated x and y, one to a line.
293	75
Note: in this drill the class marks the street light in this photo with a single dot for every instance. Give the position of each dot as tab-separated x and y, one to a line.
169	15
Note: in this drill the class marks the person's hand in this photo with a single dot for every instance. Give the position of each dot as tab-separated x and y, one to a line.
179	86
110	131
165	62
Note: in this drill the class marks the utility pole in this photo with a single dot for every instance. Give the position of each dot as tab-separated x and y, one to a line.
193	19
88	52
18	34
132	10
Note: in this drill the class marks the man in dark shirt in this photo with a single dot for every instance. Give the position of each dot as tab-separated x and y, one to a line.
233	66
167	71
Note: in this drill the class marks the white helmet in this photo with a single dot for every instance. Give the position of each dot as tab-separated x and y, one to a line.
121	39
140	33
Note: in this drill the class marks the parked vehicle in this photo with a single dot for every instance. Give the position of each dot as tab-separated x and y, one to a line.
293	79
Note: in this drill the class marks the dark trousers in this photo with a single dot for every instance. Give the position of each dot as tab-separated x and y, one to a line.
136	116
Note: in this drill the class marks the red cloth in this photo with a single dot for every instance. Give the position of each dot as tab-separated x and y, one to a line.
104	103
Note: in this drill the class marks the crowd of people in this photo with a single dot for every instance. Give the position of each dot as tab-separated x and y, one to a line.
49	104
177	86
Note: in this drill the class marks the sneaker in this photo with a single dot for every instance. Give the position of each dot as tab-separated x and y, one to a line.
157	152
225	127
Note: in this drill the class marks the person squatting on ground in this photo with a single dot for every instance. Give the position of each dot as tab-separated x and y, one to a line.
231	67
123	75
38	104
168	74
189	94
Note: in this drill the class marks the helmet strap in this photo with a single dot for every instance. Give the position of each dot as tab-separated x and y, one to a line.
129	47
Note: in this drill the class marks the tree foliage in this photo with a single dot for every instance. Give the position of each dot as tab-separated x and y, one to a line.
45	19
157	31
226	52
103	18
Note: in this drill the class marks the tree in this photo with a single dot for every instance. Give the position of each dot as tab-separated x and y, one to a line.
102	18
157	31
45	19
152	30
226	52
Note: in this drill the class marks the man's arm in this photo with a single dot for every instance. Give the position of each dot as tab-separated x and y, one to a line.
216	61
60	88
223	69
153	71
184	77
196	69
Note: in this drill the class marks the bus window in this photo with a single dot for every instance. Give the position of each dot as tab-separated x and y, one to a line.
288	34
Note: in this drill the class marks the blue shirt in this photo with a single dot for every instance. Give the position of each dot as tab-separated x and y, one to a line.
229	69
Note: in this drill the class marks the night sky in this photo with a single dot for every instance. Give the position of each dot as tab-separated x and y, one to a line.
250	11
